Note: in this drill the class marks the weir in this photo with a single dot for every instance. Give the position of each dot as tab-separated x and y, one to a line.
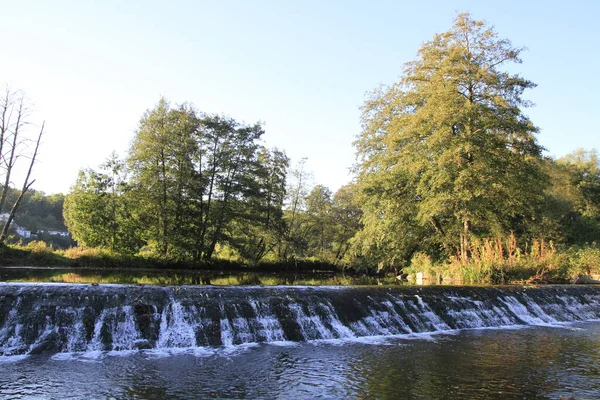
37	318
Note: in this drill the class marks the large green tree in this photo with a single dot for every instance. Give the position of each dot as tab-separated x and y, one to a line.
319	204
332	221
191	183
297	230
585	168
257	228
203	180
345	223
229	173
573	205
98	210
447	152
161	162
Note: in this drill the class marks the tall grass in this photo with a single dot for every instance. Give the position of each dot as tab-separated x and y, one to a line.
501	260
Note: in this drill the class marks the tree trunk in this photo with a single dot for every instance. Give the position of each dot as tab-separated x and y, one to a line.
26	186
10	163
464	241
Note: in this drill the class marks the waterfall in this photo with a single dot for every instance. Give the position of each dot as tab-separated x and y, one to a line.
38	318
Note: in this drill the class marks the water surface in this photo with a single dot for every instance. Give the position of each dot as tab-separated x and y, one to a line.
533	362
185	277
381	342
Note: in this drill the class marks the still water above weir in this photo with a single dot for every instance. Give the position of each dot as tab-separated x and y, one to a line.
185	277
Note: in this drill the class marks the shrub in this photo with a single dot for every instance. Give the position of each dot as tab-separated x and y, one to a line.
421	262
38	247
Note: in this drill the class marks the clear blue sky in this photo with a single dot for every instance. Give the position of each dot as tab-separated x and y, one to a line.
303	67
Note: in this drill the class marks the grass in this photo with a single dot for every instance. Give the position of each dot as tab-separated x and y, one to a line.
501	260
491	261
38	253
35	253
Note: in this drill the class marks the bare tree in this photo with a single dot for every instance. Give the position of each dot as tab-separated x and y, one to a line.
15	145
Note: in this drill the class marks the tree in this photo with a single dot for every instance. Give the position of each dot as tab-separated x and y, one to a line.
345	222
258	227
331	221
319	204
41	211
15	144
161	162
297	227
98	210
572	208
228	169
585	167
192	176
390	232
86	210
447	151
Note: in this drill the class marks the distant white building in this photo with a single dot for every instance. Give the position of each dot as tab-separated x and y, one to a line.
52	232
59	233
22	231
19	229
27	234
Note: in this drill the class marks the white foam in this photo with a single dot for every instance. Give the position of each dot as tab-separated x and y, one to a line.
240	348
13	359
282	343
310	324
176	329
88	356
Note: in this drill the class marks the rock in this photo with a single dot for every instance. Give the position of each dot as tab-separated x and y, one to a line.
142	344
584	279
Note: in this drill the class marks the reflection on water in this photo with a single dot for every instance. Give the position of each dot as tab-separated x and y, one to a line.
179	277
539	362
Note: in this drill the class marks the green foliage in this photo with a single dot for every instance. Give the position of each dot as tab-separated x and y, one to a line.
390	233
191	183
38	210
161	165
584	260
319	225
585	168
319	214
447	153
569	214
450	176
296	224
200	180
39	213
344	224
37	247
35	253
258	226
502	260
98	209
421	262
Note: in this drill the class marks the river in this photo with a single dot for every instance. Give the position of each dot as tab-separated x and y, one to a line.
527	363
60	340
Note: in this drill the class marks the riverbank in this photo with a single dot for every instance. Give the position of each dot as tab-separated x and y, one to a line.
545	264
494	261
38	254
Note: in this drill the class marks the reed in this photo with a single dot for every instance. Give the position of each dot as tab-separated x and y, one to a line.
500	260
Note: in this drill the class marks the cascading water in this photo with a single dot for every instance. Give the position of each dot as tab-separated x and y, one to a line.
78	318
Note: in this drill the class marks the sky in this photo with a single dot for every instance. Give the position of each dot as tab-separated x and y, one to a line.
91	68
